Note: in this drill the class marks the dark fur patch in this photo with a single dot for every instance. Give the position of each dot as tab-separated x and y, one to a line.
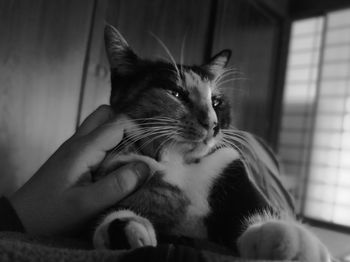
160	202
117	237
232	198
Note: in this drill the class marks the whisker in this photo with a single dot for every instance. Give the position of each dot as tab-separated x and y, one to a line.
138	135
157	137
227	73
168	53
150	141
231	80
232	76
145	120
128	142
182	52
230	70
170	138
240	138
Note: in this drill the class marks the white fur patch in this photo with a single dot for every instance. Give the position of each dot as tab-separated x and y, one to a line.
281	240
196	179
200	91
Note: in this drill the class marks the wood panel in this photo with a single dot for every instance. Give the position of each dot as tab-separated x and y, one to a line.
252	35
277	7
170	20
303	9
42	50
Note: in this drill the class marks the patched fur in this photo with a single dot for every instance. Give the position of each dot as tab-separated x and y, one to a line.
208	181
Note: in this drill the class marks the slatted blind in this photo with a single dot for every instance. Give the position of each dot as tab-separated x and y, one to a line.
315	133
299	100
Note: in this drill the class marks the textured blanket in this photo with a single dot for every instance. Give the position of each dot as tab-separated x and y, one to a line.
21	247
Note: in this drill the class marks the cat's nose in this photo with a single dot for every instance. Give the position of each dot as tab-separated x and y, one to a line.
204	123
207	124
209	120
211	126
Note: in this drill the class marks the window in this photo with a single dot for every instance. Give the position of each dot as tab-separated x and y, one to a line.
314	141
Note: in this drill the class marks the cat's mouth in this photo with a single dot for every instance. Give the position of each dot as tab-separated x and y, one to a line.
198	150
192	151
192	148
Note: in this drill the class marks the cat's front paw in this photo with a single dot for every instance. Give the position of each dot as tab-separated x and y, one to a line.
278	240
120	231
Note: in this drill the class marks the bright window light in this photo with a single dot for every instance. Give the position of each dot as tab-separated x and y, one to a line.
314	140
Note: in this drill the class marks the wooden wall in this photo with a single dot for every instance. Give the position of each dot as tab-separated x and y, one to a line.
252	35
303	9
54	72
42	50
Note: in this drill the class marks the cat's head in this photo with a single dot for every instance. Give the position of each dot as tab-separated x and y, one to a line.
173	105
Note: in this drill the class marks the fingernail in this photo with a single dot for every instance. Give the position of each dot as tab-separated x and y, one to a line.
142	171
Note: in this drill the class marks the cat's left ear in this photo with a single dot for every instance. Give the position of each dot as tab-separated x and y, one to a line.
121	57
217	63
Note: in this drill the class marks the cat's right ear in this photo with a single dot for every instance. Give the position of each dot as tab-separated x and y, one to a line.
121	57
217	63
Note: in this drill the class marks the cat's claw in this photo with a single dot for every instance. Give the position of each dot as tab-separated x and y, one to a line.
281	240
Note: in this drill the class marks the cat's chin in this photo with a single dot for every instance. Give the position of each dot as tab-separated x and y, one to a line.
194	152
191	152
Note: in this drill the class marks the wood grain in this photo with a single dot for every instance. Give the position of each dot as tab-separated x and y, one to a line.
42	50
252	37
277	7
303	9
171	21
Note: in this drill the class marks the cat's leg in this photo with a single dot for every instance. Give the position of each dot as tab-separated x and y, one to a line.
124	229
269	237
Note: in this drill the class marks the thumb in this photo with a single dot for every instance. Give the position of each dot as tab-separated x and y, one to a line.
117	185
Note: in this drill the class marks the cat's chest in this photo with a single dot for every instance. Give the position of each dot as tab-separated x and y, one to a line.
196	180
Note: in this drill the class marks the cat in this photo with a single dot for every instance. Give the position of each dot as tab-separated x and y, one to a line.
207	181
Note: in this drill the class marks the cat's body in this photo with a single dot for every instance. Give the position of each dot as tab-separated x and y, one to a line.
207	181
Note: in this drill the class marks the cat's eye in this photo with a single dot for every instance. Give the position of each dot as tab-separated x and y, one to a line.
216	101
179	94
176	93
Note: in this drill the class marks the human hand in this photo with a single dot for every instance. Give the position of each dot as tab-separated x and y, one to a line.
55	201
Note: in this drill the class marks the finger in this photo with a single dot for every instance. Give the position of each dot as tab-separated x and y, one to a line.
100	116
108	135
116	186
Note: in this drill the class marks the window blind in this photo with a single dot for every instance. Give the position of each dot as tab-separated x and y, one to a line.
327	195
315	134
299	101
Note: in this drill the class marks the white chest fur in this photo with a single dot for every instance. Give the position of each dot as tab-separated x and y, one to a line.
196	179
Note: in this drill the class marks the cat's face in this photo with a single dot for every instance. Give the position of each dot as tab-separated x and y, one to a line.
174	105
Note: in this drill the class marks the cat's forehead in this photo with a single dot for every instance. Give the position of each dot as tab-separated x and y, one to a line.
197	85
192	78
